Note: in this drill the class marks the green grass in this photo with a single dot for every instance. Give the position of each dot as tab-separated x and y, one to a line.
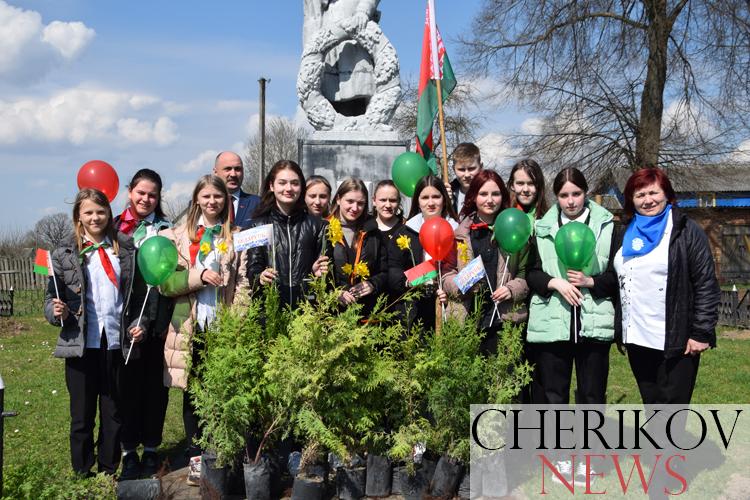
37	439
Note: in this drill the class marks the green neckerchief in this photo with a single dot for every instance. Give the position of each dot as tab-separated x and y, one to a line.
208	237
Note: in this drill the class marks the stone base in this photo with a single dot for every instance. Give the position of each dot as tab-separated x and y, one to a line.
336	155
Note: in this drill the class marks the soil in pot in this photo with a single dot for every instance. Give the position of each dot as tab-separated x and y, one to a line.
446	478
258	480
350	482
379	476
213	479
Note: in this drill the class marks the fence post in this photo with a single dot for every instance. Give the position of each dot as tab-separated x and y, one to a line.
735	307
3	415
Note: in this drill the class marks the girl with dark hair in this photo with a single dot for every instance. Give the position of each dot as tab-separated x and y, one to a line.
359	261
571	315
669	294
144	396
318	195
209	273
526	183
430	199
487	197
98	310
297	235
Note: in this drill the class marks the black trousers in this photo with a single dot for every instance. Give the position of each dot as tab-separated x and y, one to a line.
143	396
554	370
663	380
92	381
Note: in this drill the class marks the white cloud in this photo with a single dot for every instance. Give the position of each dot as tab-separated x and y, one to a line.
68	38
82	115
532	125
29	49
179	192
203	163
742	153
497	153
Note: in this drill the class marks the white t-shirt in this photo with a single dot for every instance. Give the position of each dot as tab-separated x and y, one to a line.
643	293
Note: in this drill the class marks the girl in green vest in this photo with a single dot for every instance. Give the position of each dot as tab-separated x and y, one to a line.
571	313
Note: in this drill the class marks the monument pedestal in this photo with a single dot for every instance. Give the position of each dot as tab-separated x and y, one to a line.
339	154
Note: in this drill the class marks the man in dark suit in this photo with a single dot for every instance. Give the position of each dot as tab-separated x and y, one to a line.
228	166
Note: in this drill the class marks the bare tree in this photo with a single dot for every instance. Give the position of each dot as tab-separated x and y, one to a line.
462	111
281	144
13	242
600	72
52	230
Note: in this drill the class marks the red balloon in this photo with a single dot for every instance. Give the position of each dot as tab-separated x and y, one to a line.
99	175
437	238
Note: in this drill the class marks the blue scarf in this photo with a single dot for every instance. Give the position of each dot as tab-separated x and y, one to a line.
644	233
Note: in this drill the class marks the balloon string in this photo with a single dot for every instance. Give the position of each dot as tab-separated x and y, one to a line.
440	285
148	290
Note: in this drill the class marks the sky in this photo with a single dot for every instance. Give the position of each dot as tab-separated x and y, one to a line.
164	85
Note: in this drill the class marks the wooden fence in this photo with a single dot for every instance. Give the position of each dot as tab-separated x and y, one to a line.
734	309
18	274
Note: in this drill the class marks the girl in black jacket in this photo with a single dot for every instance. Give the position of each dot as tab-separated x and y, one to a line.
356	247
99	313
430	199
297	235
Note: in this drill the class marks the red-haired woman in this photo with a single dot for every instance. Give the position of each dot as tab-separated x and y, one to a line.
485	198
669	294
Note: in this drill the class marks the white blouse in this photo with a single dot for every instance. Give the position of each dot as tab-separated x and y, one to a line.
643	293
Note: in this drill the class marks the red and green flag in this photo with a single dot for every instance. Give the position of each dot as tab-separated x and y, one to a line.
434	66
41	262
422	273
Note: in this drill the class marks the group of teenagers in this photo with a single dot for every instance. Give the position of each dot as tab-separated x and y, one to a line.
650	286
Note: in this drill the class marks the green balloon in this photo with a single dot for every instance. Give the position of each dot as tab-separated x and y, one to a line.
157	260
574	245
406	171
512	230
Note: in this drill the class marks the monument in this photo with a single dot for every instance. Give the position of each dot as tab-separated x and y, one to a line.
348	85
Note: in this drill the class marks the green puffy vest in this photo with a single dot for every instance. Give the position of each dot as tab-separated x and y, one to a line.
549	318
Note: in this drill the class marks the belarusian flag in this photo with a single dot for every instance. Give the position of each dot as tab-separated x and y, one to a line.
42	262
422	273
435	65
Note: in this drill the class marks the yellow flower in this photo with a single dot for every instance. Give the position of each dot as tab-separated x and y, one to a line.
403	242
334	233
463	251
222	247
347	268
361	270
205	248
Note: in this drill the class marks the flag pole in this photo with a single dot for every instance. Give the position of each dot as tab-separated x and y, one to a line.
441	121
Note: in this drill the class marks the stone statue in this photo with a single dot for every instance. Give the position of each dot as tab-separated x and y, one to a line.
349	75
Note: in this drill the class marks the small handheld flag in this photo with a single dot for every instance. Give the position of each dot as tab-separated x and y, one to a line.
43	266
422	273
471	274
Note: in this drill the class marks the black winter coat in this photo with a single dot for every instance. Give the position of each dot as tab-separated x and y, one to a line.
693	292
71	284
298	240
373	253
401	260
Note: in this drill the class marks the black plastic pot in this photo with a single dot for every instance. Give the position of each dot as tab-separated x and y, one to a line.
308	488
257	480
139	489
447	475
379	476
350	483
416	487
213	479
464	487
